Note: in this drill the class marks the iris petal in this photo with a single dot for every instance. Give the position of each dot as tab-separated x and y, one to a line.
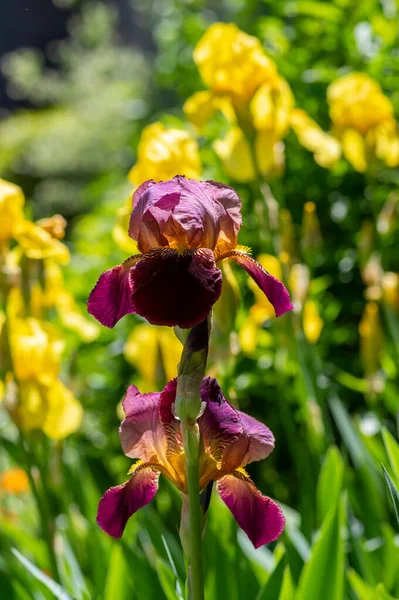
259	516
220	424
110	299
171	288
119	503
141	433
275	291
256	442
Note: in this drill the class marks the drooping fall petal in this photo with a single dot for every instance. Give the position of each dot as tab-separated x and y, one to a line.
119	503
259	516
169	288
275	291
255	442
110	298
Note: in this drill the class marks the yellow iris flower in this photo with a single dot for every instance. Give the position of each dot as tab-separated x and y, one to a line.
256	101
43	400
363	121
11	209
154	352
232	62
163	153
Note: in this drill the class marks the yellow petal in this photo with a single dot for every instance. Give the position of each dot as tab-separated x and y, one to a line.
269	154
232	61
141	350
312	322
354	150
171	349
31	411
164	152
248	336
271	107
235	153
387	143
11	209
36	349
72	318
64	412
326	149
200	108
357	102
54	225
39	244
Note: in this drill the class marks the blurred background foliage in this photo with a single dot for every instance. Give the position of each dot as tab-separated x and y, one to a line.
324	379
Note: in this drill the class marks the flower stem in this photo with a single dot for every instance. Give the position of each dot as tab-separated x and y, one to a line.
43	509
188	408
195	520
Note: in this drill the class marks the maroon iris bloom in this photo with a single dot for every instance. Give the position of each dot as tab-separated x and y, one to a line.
184	229
230	440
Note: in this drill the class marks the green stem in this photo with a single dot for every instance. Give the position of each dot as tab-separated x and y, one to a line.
195	569
188	409
43	509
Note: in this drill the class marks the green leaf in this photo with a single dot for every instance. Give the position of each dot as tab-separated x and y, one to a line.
287	591
178	588
273	585
116	585
330	482
363	590
71	571
166	578
59	592
392	448
392	491
323	575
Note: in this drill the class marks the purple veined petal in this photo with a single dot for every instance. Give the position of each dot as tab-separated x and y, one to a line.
256	442
171	288
153	204
110	299
220	424
170	424
141	190
119	503
185	213
275	291
141	433
259	516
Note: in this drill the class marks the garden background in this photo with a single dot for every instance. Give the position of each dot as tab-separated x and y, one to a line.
324	378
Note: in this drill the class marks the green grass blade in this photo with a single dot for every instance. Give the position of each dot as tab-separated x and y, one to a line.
392	491
50	584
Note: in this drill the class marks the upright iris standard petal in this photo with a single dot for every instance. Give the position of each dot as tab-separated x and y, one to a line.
110	299
185	213
275	291
119	503
255	442
220	425
141	433
259	516
169	288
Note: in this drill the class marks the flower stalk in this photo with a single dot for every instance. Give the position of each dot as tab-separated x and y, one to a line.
188	408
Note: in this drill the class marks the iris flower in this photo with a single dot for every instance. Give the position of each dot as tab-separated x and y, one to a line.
184	229
230	440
